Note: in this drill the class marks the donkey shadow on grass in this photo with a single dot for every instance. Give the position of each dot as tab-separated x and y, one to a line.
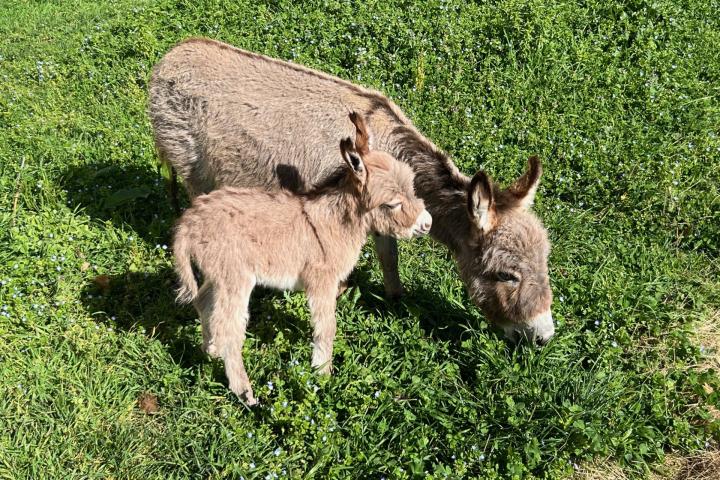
132	300
131	196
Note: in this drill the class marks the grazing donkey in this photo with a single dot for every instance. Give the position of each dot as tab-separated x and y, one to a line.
224	116
239	238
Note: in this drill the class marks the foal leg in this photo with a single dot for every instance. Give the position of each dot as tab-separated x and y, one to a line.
227	326
322	311
387	251
204	305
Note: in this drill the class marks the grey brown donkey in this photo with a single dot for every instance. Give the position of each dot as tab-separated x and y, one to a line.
225	116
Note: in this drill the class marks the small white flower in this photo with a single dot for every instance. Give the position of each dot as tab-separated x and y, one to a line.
252	465
277	452
377	394
481	457
270	385
597	322
285	403
614	344
164	247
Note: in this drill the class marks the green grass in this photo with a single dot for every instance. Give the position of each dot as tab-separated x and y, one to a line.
620	99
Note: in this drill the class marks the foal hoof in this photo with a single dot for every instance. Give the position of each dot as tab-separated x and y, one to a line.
342	288
248	399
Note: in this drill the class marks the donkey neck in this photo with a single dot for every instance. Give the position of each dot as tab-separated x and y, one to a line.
437	181
337	216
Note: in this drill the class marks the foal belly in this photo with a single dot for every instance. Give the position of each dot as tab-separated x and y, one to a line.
281	283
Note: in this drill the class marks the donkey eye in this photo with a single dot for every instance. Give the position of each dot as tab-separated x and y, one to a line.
505	277
393	205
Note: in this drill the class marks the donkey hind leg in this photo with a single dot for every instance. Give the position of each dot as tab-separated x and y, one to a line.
387	251
227	325
172	181
322	309
204	304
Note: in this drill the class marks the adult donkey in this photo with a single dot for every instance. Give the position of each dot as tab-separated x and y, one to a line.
225	116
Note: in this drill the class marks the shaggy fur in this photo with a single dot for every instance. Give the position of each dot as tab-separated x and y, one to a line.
224	116
239	238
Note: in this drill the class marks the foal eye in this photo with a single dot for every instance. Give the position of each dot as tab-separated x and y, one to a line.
505	277
393	205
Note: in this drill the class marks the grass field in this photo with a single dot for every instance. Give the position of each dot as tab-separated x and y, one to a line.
620	99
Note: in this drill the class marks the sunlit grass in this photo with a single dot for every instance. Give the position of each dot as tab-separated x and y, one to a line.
619	100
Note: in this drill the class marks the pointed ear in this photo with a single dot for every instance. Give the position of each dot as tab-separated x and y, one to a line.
353	160
481	202
362	134
523	190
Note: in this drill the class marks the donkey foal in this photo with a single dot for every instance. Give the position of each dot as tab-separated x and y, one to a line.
239	238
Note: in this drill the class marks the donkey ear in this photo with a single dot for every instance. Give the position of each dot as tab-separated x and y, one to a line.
481	202
362	134
523	190
353	159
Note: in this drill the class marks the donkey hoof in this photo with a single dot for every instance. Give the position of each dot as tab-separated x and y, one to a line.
323	369
394	293
248	398
342	288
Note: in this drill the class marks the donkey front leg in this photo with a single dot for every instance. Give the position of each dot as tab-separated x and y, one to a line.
322	311
387	251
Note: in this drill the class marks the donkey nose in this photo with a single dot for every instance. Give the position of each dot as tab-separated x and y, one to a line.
424	222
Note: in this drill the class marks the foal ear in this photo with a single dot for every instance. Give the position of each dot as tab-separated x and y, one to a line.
362	134
481	202
523	190
353	160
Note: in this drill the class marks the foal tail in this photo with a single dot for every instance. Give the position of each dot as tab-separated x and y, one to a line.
188	289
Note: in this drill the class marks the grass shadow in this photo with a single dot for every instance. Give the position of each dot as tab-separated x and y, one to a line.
147	299
135	196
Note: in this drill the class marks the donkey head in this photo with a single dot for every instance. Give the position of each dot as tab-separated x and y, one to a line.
508	279
385	186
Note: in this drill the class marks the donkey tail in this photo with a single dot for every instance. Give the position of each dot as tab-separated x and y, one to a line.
188	288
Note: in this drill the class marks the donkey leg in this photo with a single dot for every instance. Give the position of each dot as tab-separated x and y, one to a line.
227	327
172	183
387	251
204	305
322	310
